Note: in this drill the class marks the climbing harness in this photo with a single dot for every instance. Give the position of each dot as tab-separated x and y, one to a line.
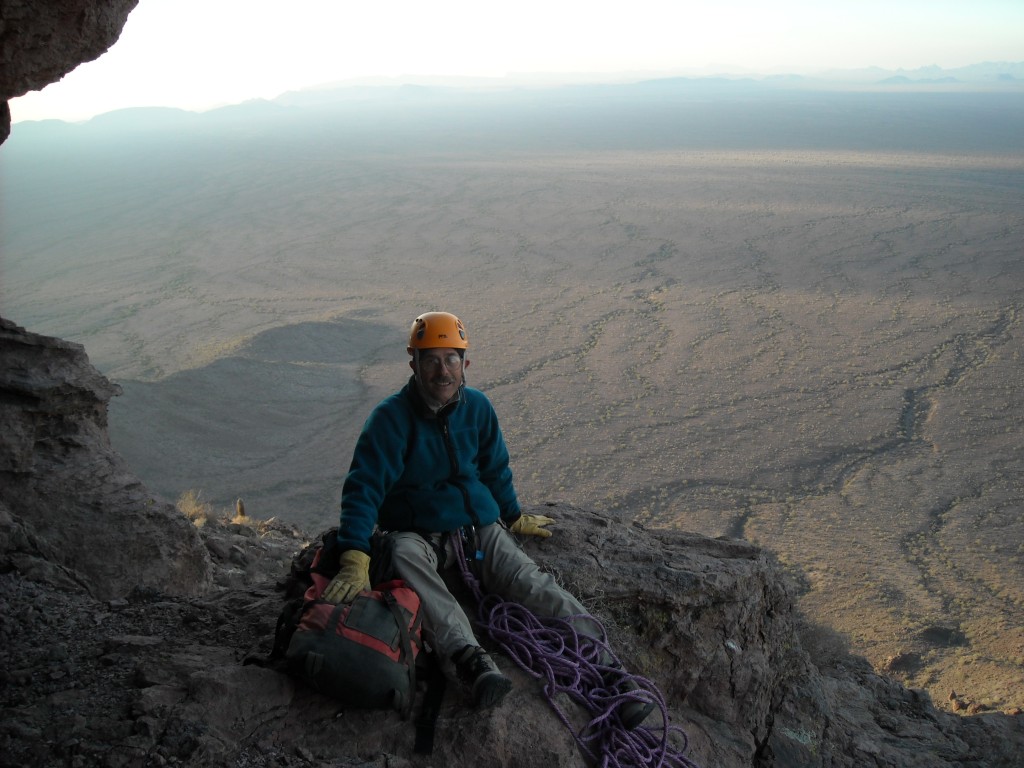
585	670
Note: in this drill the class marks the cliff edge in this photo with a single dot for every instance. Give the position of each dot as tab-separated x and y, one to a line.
124	626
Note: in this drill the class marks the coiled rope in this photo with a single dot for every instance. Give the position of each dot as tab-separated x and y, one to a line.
586	670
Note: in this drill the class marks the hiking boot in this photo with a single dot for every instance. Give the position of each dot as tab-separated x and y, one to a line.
481	674
632	712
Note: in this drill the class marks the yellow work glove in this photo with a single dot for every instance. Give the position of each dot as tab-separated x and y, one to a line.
352	579
532	525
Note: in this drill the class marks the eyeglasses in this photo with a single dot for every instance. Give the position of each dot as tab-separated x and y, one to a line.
451	361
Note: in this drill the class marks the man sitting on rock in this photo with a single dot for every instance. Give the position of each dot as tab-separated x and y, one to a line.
430	464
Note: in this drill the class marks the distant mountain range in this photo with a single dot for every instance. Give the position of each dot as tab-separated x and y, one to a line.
985	73
983	77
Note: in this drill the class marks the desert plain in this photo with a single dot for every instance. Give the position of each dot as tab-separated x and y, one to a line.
802	330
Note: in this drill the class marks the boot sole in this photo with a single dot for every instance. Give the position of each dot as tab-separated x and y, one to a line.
637	714
490	689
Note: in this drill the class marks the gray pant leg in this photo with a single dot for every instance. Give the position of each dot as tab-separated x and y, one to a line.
511	573
445	624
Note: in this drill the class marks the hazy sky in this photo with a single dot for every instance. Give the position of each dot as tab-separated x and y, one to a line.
197	54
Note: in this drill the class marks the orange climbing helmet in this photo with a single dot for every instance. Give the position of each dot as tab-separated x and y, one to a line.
433	330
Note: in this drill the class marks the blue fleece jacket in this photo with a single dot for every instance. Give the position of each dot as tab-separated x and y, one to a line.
416	470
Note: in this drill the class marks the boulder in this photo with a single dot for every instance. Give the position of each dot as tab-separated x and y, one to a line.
70	501
43	40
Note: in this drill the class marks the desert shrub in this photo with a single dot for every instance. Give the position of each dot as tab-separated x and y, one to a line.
201	513
189	504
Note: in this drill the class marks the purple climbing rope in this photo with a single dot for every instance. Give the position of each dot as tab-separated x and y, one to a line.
586	671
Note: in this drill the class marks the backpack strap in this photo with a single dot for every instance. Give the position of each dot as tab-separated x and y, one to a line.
405	707
287	621
426	723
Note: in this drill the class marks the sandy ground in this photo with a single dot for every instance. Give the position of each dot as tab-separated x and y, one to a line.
816	351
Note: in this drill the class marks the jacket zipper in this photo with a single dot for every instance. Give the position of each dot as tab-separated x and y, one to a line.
453	478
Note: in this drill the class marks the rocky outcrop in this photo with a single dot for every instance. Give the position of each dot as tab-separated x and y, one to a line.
72	506
128	650
43	40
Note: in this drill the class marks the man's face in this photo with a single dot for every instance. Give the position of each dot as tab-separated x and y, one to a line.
440	373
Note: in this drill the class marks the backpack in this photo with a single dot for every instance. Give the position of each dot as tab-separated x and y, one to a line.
364	654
